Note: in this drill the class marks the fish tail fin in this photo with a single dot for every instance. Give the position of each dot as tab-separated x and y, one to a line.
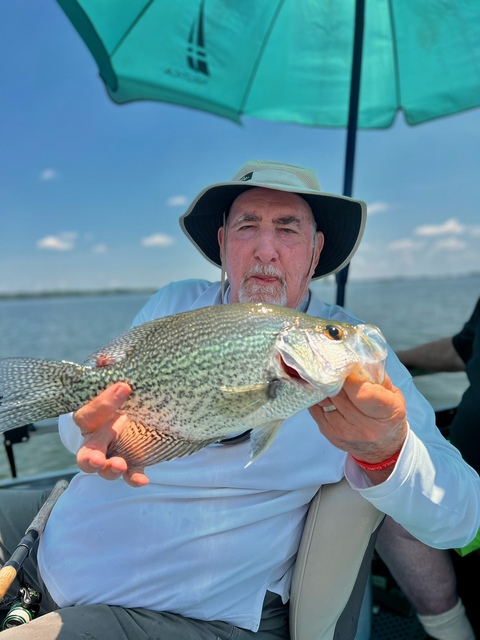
33	389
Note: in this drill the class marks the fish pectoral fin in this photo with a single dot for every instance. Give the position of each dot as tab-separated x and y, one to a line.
252	389
142	446
242	401
261	438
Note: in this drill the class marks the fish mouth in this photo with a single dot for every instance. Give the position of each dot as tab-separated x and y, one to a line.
284	371
291	372
290	367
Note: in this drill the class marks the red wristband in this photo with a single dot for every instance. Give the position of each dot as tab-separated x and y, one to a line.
378	466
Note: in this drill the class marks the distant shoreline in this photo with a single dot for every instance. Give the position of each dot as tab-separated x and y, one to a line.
74	294
150	291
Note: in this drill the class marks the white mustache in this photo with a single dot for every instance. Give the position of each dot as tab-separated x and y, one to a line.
264	270
255	292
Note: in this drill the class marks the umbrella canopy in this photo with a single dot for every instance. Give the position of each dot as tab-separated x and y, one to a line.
296	61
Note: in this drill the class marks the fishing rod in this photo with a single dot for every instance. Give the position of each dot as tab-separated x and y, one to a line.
9	571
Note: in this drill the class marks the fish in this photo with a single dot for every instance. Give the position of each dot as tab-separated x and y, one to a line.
199	377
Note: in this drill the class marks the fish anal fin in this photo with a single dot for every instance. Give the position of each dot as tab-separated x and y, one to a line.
261	438
142	446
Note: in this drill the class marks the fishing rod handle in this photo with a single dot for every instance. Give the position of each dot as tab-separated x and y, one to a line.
40	520
10	569
7	576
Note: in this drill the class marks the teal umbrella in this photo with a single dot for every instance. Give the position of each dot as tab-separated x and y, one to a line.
330	63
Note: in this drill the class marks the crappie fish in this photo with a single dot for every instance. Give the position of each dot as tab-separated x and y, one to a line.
200	376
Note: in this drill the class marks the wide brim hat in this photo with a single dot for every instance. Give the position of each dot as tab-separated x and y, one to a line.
341	219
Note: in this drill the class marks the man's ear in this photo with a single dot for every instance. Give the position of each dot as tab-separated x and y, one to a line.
318	249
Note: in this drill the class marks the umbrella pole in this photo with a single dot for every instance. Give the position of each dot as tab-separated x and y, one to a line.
352	126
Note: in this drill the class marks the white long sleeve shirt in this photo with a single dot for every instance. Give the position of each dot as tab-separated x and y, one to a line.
208	537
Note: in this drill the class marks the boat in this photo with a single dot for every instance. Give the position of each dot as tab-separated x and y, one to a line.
393	618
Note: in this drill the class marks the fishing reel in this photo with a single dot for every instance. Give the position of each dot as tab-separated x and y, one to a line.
23	608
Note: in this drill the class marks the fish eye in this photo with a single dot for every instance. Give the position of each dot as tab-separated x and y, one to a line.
333	332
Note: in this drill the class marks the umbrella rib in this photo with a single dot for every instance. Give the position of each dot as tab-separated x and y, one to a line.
131	27
259	57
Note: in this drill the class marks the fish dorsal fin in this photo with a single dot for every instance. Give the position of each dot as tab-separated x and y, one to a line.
120	347
262	437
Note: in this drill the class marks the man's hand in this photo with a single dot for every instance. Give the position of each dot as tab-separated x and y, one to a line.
100	423
369	421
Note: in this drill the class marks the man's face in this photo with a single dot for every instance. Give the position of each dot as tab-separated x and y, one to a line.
269	247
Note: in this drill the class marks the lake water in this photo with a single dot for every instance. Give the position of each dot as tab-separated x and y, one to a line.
409	312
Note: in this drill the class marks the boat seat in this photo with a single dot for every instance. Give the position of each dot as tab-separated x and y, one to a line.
333	564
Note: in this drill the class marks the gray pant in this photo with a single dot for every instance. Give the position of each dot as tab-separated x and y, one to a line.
103	622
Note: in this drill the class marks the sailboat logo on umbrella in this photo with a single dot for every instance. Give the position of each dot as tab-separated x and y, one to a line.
197	53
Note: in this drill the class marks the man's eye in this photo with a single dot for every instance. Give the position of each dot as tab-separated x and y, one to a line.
287	230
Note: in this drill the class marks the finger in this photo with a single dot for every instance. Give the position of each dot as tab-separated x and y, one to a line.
322	417
93	460
135	478
90	460
328	402
92	456
102	407
359	391
354	382
378	401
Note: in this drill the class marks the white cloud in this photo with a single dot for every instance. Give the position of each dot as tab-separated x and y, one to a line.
450	244
177	201
64	241
378	207
450	226
158	240
100	248
405	245
46	175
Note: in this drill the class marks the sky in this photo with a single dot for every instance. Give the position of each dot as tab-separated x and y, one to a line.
91	191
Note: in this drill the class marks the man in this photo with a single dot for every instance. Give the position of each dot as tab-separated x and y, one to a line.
200	547
427	576
458	353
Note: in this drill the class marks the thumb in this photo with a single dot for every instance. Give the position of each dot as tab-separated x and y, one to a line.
101	409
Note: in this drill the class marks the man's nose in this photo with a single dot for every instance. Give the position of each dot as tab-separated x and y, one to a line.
266	249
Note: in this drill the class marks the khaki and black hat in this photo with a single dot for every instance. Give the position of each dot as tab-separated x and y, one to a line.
341	219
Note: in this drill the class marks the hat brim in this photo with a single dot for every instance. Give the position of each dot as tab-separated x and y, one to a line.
341	219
